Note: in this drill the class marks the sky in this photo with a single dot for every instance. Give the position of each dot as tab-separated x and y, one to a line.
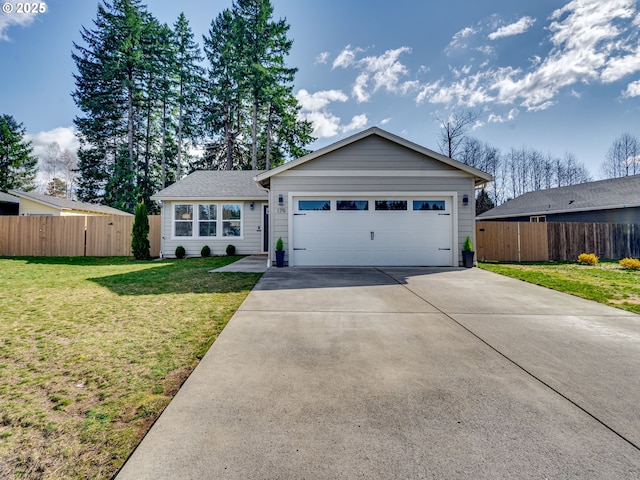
555	75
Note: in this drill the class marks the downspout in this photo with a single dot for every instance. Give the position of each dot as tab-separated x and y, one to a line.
161	229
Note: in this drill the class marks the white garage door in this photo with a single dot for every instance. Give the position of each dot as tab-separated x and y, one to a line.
372	231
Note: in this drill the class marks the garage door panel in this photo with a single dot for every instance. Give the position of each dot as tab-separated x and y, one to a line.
384	238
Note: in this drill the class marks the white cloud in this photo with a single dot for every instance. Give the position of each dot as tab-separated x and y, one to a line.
325	124
384	121
323	57
591	41
516	28
382	72
633	90
357	122
319	100
64	136
314	109
346	57
10	19
458	39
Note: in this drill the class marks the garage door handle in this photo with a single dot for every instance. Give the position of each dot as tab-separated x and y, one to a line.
299	248
299	214
446	214
444	249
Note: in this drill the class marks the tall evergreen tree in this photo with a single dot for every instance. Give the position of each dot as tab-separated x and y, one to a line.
223	112
18	165
127	86
251	109
189	77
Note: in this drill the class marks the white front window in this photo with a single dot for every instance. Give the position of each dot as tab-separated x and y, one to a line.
183	220
212	220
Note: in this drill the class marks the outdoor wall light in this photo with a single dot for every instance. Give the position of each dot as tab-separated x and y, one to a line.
465	200
251	205
280	199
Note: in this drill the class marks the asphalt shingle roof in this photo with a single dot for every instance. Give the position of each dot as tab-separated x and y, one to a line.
66	204
600	195
215	184
5	197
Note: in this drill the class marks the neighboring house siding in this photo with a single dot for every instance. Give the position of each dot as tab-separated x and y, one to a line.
283	185
250	243
28	207
616	215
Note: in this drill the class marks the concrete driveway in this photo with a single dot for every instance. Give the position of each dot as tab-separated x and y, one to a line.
406	373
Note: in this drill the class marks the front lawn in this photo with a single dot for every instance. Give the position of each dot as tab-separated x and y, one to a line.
93	349
606	282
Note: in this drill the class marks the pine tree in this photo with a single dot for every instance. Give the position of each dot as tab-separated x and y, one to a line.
251	90
140	234
223	113
190	84
17	163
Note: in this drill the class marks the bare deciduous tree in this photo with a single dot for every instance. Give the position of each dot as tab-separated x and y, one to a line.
623	157
453	130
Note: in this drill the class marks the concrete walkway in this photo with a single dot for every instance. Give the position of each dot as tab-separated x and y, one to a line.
406	373
250	264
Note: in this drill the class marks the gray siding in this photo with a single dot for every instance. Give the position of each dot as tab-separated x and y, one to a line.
374	153
249	244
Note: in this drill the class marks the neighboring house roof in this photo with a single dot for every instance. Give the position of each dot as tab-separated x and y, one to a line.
601	195
480	176
215	185
66	204
6	198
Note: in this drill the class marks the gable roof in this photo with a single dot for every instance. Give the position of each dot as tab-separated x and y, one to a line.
480	176
66	204
214	185
600	195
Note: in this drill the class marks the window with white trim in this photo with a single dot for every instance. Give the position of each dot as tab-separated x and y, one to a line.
391	205
314	205
207	220
183	220
538	219
424	205
352	205
232	220
212	220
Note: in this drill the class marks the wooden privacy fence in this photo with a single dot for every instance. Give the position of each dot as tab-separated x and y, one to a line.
530	242
72	236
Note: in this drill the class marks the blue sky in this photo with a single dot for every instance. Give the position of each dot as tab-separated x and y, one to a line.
556	75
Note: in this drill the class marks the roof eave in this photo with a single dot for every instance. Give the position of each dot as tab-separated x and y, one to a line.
555	212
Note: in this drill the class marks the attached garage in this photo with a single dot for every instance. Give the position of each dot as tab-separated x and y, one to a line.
372	230
373	199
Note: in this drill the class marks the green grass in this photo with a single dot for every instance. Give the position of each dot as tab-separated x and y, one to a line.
607	282
93	349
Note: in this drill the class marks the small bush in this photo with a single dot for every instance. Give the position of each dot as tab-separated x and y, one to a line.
231	250
588	259
630	264
279	245
180	251
205	252
468	245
